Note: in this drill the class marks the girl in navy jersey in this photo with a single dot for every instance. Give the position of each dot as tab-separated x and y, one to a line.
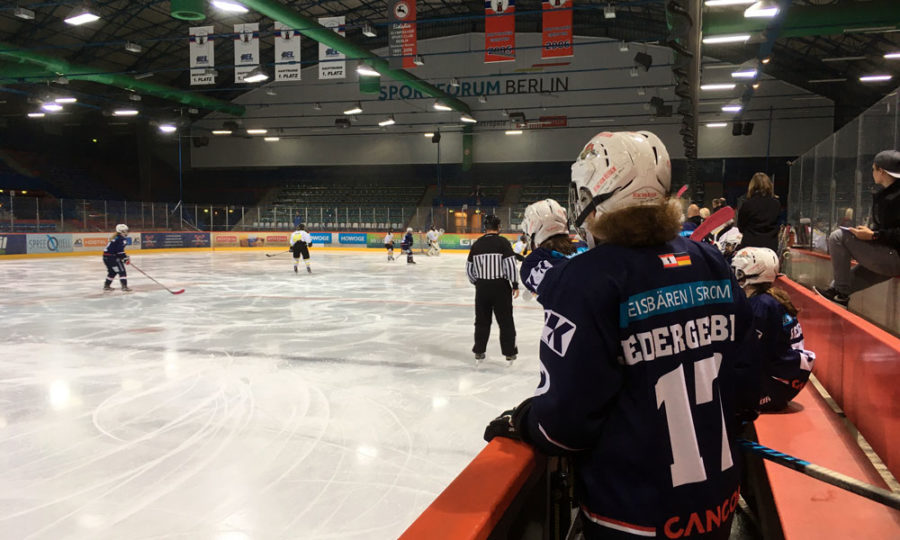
115	259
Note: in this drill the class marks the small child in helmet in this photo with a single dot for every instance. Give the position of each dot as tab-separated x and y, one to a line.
115	259
786	364
546	227
406	246
520	247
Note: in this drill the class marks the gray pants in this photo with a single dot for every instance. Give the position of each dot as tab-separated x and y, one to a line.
877	262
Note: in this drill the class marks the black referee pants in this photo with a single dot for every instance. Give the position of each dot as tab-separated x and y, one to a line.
494	296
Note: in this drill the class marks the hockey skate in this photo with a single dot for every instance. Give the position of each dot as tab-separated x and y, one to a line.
308	270
295	269
478	358
126	289
107	288
510	359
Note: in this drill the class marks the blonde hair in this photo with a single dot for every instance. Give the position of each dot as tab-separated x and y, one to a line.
760	185
783	298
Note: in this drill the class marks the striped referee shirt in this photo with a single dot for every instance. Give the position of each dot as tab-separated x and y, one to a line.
492	257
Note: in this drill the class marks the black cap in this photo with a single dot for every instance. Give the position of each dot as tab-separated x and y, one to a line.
889	160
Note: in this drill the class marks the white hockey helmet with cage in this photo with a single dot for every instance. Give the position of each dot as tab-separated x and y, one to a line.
754	265
544	219
122	229
617	170
728	241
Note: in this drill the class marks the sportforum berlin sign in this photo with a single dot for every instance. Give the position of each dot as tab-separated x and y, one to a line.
487	87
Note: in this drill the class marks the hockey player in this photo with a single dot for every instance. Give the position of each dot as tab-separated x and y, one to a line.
641	355
115	259
431	238
786	364
491	267
546	228
389	245
406	246
520	248
300	242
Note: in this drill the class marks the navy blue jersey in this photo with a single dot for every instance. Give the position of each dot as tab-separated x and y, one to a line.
641	356
786	364
115	246
407	241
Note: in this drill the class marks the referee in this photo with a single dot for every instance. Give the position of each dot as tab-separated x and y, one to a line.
491	267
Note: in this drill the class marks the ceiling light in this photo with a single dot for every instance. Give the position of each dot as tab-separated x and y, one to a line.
367	71
467	119
733	38
816	81
623	46
720	3
429	134
143	75
756	86
368	30
749	73
52	107
257	131
167	128
633	72
221	132
718	86
513	131
388	122
843	58
66	99
609	11
131	46
642	91
257	74
229	6
36	115
766	60
419	60
317	107
438	106
875	78
716	124
734	106
482	99
125	112
762	9
271	139
356	109
454	82
81	14
23	13
892	56
270	92
134	97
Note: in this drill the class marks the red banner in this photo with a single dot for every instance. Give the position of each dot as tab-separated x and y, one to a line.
402	33
499	31
557	29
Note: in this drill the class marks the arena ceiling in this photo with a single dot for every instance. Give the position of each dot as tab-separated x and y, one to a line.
825	56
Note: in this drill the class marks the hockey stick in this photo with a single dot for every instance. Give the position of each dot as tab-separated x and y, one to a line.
681	191
713	222
154	281
279	253
828	476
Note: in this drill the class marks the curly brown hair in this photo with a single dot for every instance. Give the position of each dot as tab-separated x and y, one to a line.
639	226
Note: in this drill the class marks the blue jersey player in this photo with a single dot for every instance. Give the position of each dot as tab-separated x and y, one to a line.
786	364
643	381
115	259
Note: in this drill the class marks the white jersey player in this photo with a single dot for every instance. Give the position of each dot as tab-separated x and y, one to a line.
300	242
389	245
432	239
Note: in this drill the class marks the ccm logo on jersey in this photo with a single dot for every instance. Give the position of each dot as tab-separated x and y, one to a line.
557	332
674	260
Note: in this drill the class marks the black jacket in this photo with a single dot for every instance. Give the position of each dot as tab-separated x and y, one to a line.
886	215
758	221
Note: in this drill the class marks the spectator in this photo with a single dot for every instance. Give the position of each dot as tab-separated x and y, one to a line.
297	219
757	218
692	221
876	249
718	203
704	213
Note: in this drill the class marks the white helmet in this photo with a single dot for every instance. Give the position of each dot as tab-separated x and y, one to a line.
755	265
729	240
409	229
544	219
122	229
617	170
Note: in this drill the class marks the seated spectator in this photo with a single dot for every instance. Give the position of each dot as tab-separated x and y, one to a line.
876	249
757	218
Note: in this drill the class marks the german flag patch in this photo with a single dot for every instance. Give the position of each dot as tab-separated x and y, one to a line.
674	260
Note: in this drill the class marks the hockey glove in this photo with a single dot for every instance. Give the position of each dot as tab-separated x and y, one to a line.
509	423
126	259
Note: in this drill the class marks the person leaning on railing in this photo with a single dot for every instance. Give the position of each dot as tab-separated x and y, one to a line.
876	249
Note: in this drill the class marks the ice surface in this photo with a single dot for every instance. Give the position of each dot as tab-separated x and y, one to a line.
259	404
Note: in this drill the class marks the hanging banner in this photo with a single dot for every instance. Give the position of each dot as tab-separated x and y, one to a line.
500	31
287	53
246	50
556	40
402	33
331	61
202	59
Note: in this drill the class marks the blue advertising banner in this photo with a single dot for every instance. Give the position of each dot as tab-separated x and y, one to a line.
352	238
49	243
12	244
174	240
320	238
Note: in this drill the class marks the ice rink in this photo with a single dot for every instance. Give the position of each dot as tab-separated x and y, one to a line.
259	404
